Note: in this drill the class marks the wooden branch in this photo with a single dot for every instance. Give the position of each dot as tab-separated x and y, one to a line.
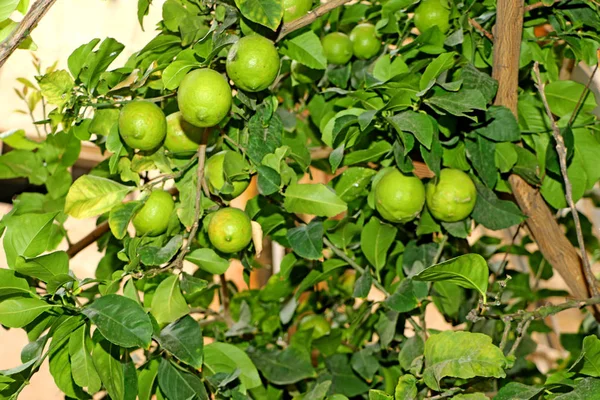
88	239
544	229
539	4
38	10
561	149
481	29
310	17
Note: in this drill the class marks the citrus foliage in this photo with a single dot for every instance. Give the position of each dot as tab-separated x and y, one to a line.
379	90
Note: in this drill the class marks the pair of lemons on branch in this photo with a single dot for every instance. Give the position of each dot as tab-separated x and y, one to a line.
400	198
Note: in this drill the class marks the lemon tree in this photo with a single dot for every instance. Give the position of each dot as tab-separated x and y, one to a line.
287	191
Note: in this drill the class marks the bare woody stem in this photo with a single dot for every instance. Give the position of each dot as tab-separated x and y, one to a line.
310	17
561	149
481	29
38	10
539	4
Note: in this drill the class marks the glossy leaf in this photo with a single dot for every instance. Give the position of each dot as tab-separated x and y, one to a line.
225	357
208	260
84	371
307	240
183	339
44	267
264	12
27	235
11	284
168	303
178	384
376	238
92	195
316	199
306	49
18	312
106	359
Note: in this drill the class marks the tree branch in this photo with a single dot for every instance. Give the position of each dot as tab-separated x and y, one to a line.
539	4
35	14
561	149
481	29
309	18
88	239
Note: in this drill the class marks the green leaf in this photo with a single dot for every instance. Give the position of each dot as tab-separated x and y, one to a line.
563	97
459	103
318	392
469	271
61	370
27	235
375	241
406	388
147	377
98	61
364	363
500	125
106	360
56	87
265	136
17	139
269	180
420	125
143	8
7	7
264	12
119	217
84	372
343	379
176	71
505	156
10	284
353	183
375	394
153	255
208	260
316	199
92	195
588	388
283	367
403	299
434	69
18	312
78	58
588	362
120	320
306	49
375	151
183	339
386	69
224	357
479	151
477	80
307	240
178	384
553	189
168	304
44	267
518	391
448	298
494	213
23	164
461	355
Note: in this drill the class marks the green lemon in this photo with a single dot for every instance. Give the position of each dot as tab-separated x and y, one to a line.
153	218
204	97
215	175
253	63
142	125
399	197
181	135
230	230
337	47
317	323
294	9
364	41
454	196
303	74
432	13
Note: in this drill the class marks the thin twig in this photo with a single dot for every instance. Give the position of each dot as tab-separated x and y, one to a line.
119	102
521	332
507	325
562	157
224	292
545	311
35	14
539	4
440	250
88	239
310	17
481	29
446	394
583	94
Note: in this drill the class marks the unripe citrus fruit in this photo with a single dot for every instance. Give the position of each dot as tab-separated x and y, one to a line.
432	13
364	42
294	9
337	47
142	125
204	97
230	230
317	323
399	197
181	135
303	74
253	63
153	218
215	175
454	196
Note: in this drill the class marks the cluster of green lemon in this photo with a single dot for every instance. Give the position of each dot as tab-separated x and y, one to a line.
400	198
362	43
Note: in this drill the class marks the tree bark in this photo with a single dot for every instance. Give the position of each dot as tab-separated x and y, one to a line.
553	244
37	11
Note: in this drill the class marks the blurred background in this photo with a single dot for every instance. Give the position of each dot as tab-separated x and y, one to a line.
70	23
